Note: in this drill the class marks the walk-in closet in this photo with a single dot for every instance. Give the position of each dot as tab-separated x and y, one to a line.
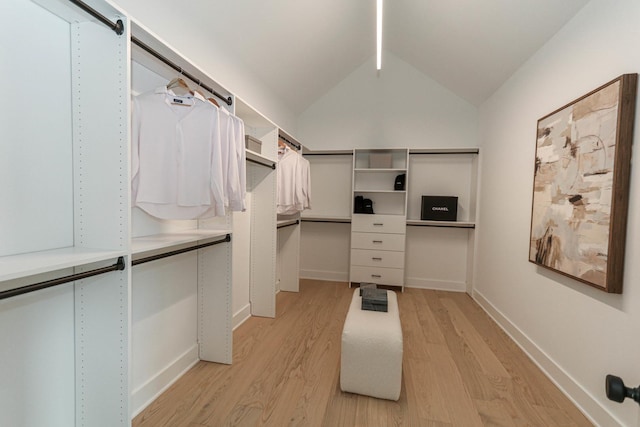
207	209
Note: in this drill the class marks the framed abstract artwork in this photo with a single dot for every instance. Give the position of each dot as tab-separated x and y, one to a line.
581	186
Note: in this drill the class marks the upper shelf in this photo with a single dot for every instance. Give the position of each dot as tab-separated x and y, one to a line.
380	170
472	150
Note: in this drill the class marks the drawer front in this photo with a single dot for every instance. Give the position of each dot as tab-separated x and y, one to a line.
379	275
378	241
367	258
378	223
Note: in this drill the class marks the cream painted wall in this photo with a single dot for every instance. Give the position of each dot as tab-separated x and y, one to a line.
172	23
576	333
397	107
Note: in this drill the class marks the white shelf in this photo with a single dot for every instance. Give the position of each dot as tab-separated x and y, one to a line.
256	157
318	218
452	224
165	240
472	150
380	170
17	266
284	222
357	190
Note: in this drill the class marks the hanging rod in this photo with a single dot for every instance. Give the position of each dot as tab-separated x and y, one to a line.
179	251
269	165
119	265
289	225
117	27
293	144
179	69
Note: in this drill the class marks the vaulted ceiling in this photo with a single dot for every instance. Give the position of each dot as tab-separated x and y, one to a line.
301	49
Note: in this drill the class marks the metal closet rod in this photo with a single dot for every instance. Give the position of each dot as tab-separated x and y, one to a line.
269	165
119	265
289	225
293	144
179	251
188	75
118	28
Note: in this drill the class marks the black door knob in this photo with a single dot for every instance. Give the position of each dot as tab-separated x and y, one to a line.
617	391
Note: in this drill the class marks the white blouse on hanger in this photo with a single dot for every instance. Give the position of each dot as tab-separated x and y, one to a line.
293	182
176	156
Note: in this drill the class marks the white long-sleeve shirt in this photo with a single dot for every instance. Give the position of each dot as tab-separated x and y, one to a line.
293	183
176	156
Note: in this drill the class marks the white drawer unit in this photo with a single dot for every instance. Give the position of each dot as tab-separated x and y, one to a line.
378	241
364	223
388	259
378	275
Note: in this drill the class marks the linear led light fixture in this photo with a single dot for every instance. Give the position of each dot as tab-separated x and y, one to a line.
379	35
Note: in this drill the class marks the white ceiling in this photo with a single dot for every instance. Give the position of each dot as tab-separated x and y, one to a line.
302	48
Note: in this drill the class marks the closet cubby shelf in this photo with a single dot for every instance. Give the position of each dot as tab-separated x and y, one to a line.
450	224
166	240
23	265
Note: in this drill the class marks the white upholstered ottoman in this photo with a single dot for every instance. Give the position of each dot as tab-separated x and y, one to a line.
371	360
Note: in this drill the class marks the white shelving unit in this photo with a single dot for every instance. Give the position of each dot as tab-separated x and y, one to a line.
181	306
66	348
440	253
377	240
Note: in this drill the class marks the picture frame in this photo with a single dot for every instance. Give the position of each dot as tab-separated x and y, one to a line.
581	186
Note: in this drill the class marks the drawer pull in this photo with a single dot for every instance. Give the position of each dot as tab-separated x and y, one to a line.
378	223
377	241
376	259
376	276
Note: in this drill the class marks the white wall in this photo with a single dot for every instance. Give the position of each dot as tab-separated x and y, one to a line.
576	333
174	24
397	107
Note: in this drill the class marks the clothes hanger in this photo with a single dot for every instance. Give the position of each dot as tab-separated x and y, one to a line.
181	85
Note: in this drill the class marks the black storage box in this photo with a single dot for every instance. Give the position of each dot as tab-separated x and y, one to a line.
439	208
374	300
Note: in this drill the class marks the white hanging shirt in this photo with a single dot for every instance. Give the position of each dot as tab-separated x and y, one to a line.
233	157
290	198
176	156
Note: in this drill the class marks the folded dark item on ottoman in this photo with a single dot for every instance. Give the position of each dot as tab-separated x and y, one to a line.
367	286
374	299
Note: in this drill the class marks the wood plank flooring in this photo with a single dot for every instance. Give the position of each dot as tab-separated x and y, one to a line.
459	369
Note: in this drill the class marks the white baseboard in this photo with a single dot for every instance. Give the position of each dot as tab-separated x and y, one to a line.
587	404
241	316
437	285
331	276
142	396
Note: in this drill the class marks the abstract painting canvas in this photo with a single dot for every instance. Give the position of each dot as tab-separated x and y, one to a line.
581	186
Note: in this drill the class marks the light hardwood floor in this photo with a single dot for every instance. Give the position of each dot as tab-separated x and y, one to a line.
459	369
